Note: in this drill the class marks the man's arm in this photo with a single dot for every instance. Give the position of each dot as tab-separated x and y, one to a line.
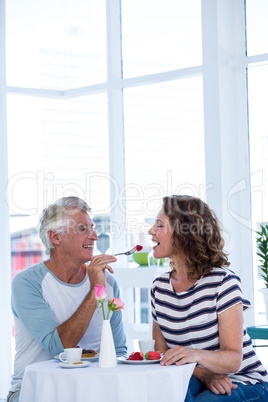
73	329
117	323
29	306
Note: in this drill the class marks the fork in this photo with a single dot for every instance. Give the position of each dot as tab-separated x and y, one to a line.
136	248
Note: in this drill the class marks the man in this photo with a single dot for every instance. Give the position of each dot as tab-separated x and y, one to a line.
53	302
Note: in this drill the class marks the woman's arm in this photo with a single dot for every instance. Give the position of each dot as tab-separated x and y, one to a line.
228	359
160	343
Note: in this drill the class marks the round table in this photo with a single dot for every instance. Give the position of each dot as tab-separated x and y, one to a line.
47	382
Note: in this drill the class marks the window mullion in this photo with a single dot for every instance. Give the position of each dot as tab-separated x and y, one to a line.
116	128
226	131
5	311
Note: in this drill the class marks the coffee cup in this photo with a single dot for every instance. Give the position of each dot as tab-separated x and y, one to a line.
146	345
71	355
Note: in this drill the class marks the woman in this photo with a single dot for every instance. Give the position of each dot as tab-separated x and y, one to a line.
198	306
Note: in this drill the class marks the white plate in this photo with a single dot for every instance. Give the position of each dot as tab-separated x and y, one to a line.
124	359
73	365
91	359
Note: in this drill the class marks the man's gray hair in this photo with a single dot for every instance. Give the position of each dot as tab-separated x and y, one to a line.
56	217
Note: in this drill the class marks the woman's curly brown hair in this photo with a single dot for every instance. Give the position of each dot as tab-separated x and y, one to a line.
196	231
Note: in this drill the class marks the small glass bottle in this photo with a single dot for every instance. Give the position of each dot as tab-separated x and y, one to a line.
152	262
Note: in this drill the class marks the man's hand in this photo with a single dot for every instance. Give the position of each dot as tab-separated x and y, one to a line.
97	267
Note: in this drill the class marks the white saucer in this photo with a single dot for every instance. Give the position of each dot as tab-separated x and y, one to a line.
83	358
74	365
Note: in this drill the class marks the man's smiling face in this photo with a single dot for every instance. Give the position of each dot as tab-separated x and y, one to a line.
79	236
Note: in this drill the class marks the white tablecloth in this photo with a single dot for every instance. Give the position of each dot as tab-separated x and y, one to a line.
47	382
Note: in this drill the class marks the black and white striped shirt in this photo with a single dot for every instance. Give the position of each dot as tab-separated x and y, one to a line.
190	318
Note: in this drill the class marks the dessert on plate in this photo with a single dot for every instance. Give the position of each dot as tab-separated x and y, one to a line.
88	353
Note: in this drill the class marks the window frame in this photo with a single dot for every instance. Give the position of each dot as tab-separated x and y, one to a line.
224	72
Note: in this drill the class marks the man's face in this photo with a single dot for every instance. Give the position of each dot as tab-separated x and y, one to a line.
79	237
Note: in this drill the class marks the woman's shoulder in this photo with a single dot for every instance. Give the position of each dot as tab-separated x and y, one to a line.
221	272
163	278
219	275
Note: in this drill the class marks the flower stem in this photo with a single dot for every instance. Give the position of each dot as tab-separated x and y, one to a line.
102	306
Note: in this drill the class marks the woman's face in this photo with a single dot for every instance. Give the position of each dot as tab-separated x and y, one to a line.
161	233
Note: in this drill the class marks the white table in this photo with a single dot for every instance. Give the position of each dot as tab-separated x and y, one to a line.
47	382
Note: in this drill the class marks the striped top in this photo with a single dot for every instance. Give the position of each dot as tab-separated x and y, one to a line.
190	318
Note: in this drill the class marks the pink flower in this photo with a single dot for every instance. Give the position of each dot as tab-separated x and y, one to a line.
100	292
116	304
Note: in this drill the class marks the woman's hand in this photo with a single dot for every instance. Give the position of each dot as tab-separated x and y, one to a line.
219	384
180	355
216	383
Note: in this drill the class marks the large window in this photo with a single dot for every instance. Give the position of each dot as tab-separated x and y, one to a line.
56	44
63	140
163	36
164	146
60	141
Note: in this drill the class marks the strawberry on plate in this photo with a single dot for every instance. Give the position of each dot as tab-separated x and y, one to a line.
136	356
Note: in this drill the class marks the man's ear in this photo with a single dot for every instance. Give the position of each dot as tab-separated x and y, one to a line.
55	238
